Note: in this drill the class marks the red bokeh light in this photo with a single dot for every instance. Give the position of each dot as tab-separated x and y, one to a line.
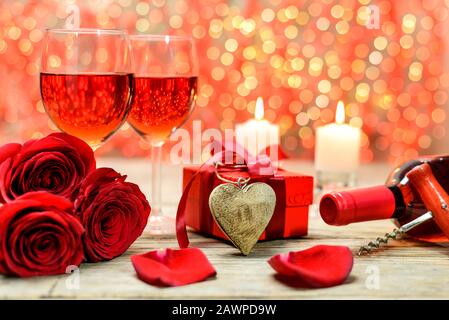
301	56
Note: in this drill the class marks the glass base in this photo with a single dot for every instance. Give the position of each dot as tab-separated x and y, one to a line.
160	225
328	181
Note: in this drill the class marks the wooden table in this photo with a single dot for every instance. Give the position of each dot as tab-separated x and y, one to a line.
406	269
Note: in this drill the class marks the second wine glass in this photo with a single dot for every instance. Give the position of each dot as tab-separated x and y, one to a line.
165	84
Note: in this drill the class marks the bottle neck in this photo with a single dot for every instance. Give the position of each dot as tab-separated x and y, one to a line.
362	204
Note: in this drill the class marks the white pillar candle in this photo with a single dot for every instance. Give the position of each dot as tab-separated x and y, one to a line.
257	134
337	145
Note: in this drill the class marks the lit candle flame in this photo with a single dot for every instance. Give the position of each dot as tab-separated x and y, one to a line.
340	113
167	39
259	112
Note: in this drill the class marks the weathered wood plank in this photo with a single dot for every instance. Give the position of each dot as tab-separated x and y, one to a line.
405	269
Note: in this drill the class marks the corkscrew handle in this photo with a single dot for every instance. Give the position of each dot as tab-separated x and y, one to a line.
432	194
434	198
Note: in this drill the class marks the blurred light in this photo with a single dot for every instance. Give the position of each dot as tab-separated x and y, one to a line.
302	59
268	15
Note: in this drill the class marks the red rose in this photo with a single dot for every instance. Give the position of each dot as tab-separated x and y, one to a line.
56	163
113	212
39	235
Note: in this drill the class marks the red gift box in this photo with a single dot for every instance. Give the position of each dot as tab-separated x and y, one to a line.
294	194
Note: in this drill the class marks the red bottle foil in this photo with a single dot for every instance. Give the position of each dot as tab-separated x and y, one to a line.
362	204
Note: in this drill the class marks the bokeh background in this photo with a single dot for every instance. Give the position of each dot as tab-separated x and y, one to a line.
301	56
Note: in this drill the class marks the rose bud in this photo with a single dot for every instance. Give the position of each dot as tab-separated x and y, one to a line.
56	163
39	235
113	212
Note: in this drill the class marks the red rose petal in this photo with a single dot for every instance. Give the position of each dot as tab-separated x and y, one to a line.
46	198
173	267
84	150
317	267
8	150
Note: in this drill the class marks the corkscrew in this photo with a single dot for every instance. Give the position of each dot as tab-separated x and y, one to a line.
434	198
397	232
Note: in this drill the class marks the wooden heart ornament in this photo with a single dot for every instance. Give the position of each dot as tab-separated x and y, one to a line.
243	213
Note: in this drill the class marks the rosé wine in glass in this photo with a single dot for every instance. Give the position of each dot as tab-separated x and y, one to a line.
165	81
86	81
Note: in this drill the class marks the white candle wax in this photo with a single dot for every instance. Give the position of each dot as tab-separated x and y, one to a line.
256	135
337	146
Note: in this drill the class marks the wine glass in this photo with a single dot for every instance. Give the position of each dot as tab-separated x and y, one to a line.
86	81
165	83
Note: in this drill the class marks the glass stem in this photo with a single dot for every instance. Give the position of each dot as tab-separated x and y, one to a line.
156	199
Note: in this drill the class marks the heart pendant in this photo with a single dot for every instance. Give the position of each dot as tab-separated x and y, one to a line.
243	213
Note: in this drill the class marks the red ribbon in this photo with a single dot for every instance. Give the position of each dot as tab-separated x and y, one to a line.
231	154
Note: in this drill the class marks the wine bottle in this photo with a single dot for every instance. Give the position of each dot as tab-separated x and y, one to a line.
394	200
